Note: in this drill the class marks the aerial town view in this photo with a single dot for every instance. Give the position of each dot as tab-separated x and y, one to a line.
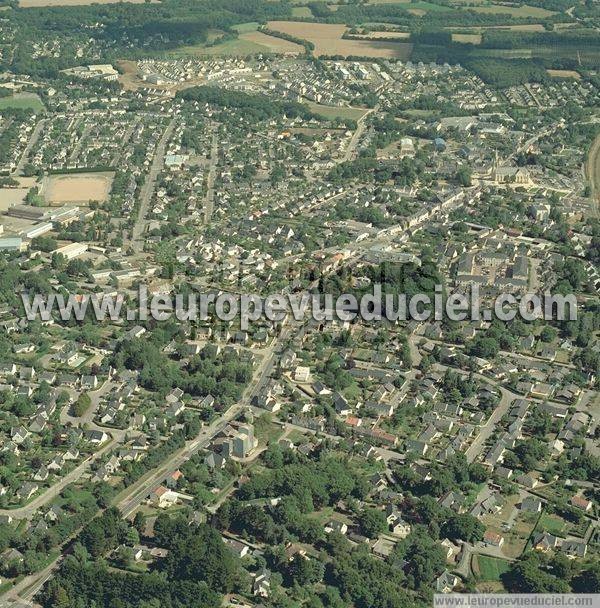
299	303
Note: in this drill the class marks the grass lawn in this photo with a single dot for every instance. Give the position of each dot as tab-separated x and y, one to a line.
298	437
242	28
420	113
324	515
335	112
491	568
229	48
32	102
553	524
267	431
301	11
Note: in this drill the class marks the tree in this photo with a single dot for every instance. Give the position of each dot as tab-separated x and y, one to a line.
463	527
82	405
527	576
139	522
424	558
372	522
463	176
588	581
133	536
306	571
201	555
548	334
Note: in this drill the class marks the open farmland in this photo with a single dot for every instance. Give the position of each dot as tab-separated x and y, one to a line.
514	11
272	43
530	27
301	11
328	40
77	188
564	74
249	42
42	3
229	48
382	35
467	38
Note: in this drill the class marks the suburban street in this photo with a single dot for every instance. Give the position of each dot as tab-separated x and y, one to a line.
209	199
35	135
148	188
54	490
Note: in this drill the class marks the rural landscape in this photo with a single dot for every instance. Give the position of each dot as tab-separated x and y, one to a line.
245	153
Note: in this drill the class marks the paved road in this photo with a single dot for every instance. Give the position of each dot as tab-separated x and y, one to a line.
209	199
95	397
139	491
53	491
486	430
148	188
32	141
30	586
360	129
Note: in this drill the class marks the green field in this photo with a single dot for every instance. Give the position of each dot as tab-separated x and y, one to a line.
491	568
242	28
335	112
32	102
229	48
301	11
553	524
514	11
428	7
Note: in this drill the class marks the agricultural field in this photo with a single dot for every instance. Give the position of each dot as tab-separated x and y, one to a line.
328	40
564	74
249	42
77	188
489	568
301	11
41	3
242	28
229	48
272	43
382	35
529	27
467	38
514	11
426	7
